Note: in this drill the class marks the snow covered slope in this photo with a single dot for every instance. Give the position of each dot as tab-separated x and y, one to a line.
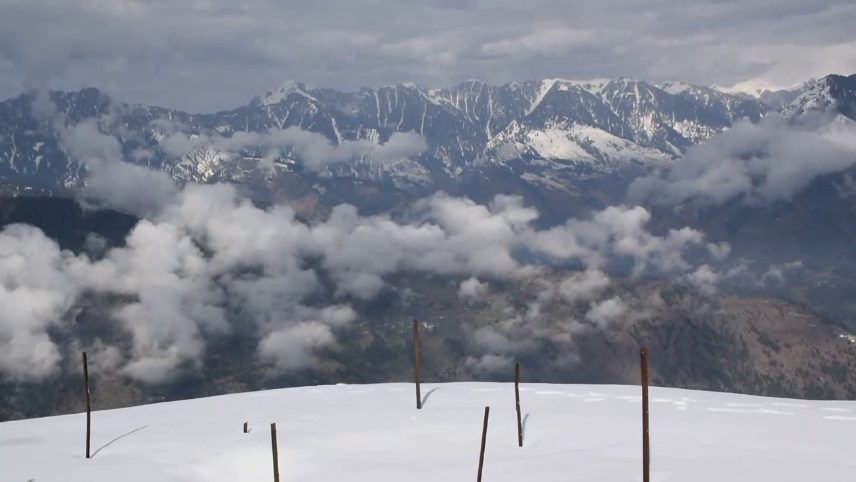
833	93
373	433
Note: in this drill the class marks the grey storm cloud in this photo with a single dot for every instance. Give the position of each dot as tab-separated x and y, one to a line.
213	54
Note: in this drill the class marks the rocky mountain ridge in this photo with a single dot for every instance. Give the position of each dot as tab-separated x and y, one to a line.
552	125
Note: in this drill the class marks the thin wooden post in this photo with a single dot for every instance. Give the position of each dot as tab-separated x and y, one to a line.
646	452
275	452
416	362
246	427
484	442
517	402
88	404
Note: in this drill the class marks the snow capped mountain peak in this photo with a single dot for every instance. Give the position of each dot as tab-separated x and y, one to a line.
545	87
408	85
814	98
753	88
833	92
624	82
281	93
757	87
592	86
675	88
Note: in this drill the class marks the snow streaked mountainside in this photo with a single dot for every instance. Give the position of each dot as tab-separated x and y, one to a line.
832	93
552	126
373	433
604	123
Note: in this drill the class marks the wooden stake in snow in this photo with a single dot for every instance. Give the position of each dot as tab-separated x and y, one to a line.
416	362
517	402
246	427
646	453
88	404
275	452
484	441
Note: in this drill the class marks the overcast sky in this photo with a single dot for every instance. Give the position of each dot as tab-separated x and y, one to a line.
205	55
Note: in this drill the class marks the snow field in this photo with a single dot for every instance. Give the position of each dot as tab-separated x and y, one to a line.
373	433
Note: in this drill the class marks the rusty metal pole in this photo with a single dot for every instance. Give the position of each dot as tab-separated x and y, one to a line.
88	404
417	366
517	402
646	449
275	452
484	442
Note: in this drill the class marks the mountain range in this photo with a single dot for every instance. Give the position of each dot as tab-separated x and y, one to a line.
551	129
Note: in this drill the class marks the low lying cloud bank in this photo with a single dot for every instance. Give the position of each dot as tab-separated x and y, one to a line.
315	151
759	163
211	251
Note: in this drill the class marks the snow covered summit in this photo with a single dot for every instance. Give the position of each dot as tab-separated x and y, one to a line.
278	95
373	433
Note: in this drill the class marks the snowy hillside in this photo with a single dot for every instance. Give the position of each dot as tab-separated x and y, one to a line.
374	433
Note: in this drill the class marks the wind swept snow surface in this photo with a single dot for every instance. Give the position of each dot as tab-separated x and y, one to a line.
373	433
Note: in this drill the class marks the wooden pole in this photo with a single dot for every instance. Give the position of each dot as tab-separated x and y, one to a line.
246	427
275	452
416	362
646	450
517	402
484	442
88	404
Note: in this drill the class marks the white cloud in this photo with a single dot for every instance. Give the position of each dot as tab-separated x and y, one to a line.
719	251
584	286
490	338
705	279
776	273
759	163
36	292
607	312
490	364
112	181
209	252
291	348
617	231
472	289
315	150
